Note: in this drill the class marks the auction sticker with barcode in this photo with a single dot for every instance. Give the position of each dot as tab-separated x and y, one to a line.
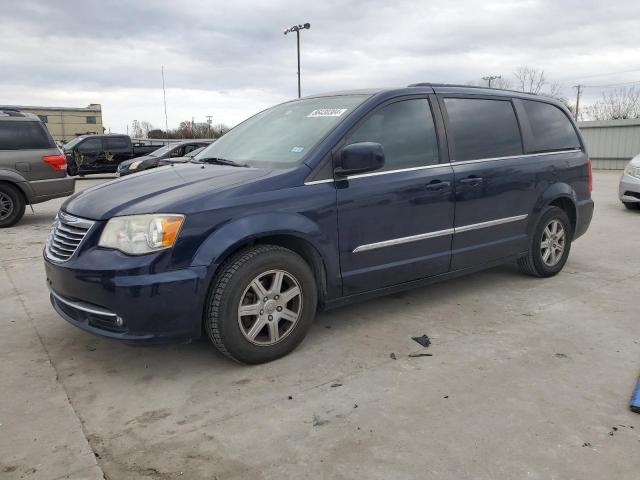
327	112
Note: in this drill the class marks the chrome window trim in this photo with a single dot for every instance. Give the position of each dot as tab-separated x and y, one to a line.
317	182
85	307
449	164
438	233
510	157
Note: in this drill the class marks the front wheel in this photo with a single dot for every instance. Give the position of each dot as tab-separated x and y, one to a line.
550	244
261	304
11	205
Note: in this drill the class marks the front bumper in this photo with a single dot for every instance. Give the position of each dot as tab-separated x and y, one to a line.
132	303
629	189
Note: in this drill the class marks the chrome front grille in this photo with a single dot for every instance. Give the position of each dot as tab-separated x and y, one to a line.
66	236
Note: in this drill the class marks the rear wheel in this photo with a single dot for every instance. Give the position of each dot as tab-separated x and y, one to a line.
632	205
11	205
261	304
550	244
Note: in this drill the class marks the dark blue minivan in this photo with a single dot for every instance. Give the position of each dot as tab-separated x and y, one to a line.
318	202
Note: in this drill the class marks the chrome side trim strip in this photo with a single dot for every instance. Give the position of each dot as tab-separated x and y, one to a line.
490	223
438	233
85	307
463	162
398	241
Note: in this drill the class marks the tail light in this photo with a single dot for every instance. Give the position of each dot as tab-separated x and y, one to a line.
590	175
57	162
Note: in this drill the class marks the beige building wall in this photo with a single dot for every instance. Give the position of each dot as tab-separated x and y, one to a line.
67	123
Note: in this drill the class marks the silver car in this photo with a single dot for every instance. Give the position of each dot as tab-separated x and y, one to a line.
629	191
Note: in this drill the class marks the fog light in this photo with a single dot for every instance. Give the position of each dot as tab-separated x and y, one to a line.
119	321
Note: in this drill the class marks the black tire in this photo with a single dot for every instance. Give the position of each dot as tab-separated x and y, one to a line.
72	169
231	284
12	205
632	205
533	263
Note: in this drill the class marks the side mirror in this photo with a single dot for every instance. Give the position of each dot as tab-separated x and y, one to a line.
360	158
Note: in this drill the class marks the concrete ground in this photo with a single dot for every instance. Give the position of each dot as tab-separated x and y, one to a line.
529	378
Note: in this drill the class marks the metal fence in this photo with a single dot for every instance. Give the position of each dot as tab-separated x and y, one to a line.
611	143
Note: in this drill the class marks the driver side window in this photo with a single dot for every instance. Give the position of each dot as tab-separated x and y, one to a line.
406	132
93	145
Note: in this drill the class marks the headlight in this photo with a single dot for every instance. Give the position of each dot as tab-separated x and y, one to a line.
140	234
632	170
135	165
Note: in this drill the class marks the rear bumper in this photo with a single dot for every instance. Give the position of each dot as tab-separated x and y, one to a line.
584	216
38	191
142	307
629	189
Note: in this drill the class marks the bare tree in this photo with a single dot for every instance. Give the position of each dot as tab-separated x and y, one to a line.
501	82
136	130
530	80
146	127
619	104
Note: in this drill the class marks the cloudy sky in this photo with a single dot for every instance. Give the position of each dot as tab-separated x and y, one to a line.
230	59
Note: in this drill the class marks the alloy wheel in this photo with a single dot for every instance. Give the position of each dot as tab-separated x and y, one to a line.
270	307
553	243
6	206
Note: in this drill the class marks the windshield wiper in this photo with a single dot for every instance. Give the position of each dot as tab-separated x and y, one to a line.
221	161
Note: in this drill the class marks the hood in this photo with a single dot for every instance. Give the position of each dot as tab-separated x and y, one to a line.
165	189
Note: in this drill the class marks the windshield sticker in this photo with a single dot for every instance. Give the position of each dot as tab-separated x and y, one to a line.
327	112
297	149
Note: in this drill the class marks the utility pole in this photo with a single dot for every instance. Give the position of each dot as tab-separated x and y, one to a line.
489	78
579	91
209	117
297	28
164	94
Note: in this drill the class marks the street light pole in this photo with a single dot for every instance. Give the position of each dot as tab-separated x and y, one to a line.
491	77
297	28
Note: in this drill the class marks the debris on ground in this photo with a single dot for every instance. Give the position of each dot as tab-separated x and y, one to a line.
423	340
586	444
392	356
561	355
318	422
446	396
334	385
91	348
414	355
290	397
355	405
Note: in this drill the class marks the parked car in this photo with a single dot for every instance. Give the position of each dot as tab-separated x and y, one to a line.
319	202
32	168
629	189
175	150
101	153
186	158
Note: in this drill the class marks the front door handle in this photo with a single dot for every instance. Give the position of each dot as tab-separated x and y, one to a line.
472	181
437	185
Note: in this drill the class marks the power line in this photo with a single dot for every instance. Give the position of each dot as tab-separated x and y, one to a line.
600	75
612	85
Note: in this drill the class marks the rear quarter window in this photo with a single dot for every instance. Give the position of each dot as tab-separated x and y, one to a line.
550	127
483	128
24	136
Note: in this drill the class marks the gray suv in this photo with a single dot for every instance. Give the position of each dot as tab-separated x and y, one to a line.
32	167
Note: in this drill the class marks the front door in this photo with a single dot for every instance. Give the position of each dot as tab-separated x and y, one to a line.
395	225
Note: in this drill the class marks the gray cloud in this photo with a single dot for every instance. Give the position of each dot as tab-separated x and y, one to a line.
115	48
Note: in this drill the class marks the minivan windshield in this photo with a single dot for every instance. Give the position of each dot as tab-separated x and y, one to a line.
281	136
